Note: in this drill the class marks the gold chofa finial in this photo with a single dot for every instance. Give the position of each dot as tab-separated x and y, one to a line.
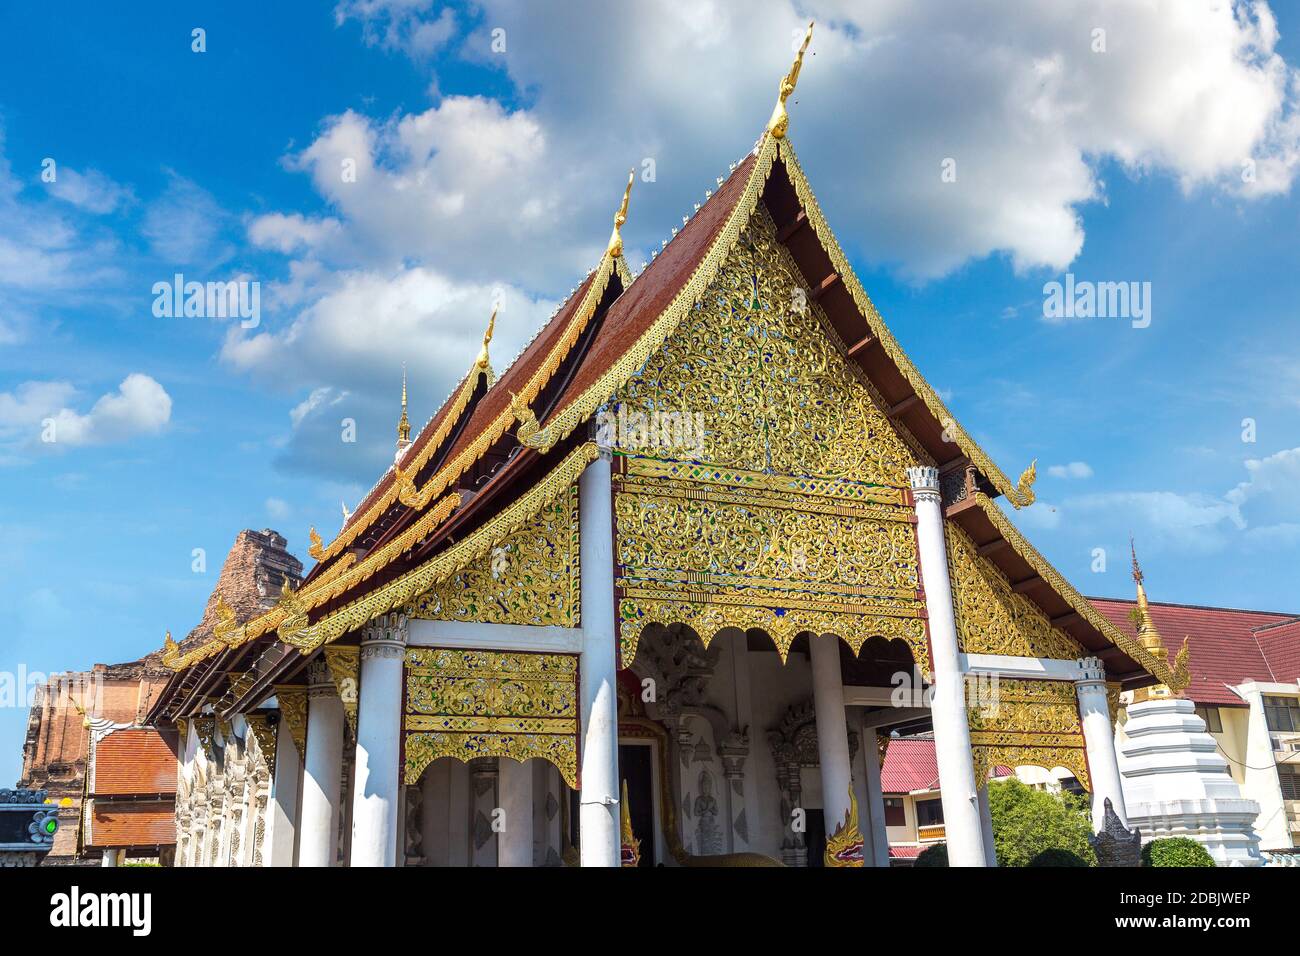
482	361
404	423
780	120
616	238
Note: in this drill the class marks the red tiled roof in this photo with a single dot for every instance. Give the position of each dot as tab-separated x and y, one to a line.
909	765
132	824
1280	645
1226	645
905	852
138	760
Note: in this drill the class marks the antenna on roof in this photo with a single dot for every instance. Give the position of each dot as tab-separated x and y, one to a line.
780	120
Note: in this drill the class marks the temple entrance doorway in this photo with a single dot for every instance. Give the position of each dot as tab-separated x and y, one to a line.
636	768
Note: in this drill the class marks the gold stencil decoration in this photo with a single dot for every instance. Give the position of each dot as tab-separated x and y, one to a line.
992	618
344	662
1029	723
293	710
530	577
467	704
757	360
782	624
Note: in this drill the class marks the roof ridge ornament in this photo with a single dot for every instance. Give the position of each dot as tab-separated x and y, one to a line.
483	363
780	120
615	248
403	423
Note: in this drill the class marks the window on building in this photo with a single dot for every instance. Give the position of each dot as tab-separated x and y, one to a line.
895	815
1282	713
1289	777
1213	722
929	813
1072	785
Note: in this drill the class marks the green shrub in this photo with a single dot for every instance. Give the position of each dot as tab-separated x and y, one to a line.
1027	821
1175	851
936	855
1058	857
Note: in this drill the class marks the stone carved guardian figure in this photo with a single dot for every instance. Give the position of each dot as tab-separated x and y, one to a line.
708	835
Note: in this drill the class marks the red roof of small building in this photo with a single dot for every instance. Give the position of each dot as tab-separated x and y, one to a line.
135	761
132	824
1227	646
905	852
910	765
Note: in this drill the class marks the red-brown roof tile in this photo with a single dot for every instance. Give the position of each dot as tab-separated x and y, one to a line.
138	760
1223	644
1280	645
132	824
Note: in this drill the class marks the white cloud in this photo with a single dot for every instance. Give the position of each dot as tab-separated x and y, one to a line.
92	190
185	225
1261	509
1075	469
39	414
400	24
278	509
291	233
1014	93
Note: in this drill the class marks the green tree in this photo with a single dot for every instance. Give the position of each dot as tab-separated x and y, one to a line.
1027	821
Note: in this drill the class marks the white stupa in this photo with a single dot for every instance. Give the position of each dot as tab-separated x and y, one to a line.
1176	783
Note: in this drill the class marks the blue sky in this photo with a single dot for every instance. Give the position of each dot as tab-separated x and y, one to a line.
492	173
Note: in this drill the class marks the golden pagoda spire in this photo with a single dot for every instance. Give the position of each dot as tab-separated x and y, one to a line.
1146	627
615	248
403	423
780	120
1150	639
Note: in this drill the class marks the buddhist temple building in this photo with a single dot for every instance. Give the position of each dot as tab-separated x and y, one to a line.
657	593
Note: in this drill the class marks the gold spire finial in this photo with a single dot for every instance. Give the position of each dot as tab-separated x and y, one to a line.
616	238
631	846
780	120
482	361
404	423
1150	639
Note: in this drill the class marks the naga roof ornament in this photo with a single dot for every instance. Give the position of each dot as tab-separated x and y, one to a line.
483	363
615	248
780	120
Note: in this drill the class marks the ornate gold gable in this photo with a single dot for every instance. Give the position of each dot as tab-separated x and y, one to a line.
530	577
1031	723
467	704
991	617
800	523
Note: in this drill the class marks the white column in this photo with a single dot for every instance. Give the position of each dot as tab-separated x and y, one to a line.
1099	738
286	787
377	776
598	817
875	797
515	842
948	709
111	858
832	731
322	771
